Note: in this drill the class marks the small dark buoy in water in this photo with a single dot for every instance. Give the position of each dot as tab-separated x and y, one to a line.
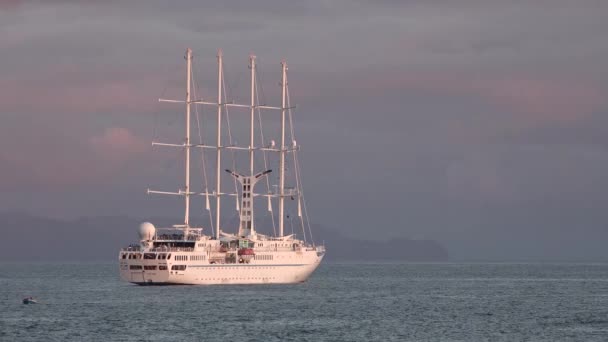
29	300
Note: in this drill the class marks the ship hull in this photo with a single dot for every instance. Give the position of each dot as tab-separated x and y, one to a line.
224	274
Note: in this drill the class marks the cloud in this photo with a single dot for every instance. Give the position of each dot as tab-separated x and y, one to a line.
477	180
53	162
543	100
534	100
117	143
78	91
10	4
527	173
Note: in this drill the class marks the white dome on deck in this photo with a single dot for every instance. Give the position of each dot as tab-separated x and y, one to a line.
146	231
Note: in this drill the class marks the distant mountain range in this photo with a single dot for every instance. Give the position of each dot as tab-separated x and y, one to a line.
30	238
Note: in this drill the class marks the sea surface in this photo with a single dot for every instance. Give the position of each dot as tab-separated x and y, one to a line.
341	302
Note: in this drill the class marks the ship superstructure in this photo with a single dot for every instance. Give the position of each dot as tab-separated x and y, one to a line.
182	254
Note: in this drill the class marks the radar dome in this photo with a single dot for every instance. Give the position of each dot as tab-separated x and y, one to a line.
146	231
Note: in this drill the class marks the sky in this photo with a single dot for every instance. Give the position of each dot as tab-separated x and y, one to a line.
480	124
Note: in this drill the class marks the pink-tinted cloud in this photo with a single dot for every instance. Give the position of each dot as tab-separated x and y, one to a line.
117	143
544	100
535	100
72	90
10	4
61	98
52	162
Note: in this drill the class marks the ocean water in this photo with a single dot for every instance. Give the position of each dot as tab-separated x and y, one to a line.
341	302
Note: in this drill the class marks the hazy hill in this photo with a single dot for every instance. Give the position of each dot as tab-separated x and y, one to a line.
99	238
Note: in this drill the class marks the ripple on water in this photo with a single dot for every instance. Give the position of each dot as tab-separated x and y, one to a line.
341	302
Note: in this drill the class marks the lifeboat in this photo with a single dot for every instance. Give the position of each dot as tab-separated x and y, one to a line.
246	251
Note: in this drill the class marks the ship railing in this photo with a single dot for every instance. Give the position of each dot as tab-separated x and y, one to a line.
159	249
222	249
171	249
176	237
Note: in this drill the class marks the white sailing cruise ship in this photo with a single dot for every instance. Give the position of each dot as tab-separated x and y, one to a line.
182	254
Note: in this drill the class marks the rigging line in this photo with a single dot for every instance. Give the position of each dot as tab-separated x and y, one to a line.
162	95
290	217
156	115
274	229
226	85
171	70
298	171
301	194
232	152
233	90
235	218
295	166
257	76
305	206
201	141
155	124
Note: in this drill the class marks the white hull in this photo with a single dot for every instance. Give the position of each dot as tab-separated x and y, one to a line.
297	270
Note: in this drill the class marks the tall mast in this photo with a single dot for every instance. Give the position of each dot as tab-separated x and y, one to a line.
251	142
219	143
187	143
282	160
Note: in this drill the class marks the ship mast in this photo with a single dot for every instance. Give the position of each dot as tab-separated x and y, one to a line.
219	143
282	159
251	142
187	142
246	214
